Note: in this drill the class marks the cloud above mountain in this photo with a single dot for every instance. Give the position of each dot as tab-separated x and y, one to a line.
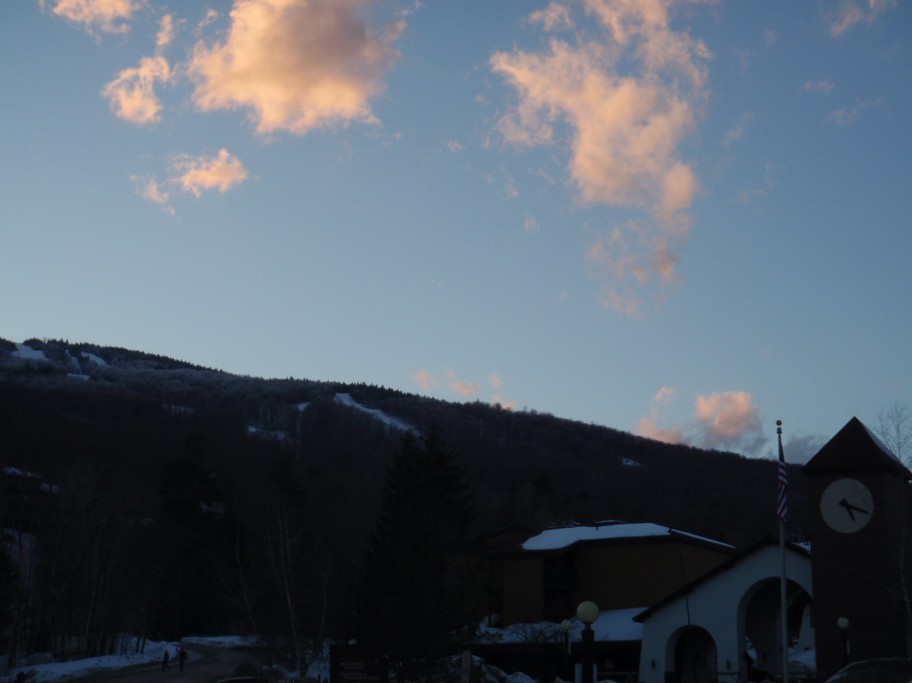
727	420
623	100
296	66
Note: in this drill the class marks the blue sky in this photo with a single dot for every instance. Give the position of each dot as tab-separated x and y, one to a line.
679	219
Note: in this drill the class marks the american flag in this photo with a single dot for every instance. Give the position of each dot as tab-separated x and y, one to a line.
782	498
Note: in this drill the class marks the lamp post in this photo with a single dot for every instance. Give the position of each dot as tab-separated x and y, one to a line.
587	612
843	624
565	629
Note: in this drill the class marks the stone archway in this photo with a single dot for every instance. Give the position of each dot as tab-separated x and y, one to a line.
693	652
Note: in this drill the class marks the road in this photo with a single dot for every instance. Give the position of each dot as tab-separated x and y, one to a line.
204	665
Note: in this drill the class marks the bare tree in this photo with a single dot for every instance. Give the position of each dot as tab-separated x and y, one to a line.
896	429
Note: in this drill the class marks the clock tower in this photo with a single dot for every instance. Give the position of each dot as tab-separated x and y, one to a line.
861	550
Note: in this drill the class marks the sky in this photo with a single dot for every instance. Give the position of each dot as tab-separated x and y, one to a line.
684	220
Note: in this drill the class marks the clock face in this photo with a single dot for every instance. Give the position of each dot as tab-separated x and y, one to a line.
846	505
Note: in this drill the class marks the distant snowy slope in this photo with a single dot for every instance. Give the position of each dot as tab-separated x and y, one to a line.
26	352
395	423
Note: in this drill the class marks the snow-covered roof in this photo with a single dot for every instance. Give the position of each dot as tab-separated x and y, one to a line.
556	539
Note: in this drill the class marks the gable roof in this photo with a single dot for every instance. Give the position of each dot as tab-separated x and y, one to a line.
855	448
799	550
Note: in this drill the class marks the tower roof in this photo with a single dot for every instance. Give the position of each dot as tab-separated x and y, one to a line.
855	448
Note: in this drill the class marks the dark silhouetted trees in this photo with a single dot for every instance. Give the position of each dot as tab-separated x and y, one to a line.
416	593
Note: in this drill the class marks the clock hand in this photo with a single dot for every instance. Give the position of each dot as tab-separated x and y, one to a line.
848	508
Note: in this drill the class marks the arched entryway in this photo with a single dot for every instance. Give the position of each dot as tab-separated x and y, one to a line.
693	652
760	626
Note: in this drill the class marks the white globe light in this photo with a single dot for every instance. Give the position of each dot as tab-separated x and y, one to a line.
587	612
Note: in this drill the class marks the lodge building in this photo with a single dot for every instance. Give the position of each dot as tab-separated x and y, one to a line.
674	607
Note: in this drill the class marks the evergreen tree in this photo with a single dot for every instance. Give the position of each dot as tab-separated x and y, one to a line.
192	524
415	596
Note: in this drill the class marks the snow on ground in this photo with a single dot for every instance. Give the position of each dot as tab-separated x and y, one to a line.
395	423
611	626
26	352
98	360
151	654
267	434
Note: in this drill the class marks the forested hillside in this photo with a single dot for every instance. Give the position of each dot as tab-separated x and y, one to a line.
177	499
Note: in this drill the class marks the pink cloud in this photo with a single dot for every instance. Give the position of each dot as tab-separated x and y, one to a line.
132	93
166	31
724	420
503	403
149	189
195	174
296	65
648	426
465	388
425	380
107	16
649	429
554	16
727	420
461	387
625	128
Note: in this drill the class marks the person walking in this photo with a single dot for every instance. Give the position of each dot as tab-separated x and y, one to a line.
166	660
181	658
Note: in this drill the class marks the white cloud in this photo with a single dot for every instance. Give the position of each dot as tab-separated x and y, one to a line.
848	115
132	93
823	86
737	131
850	13
296	65
759	189
107	16
628	98
195	174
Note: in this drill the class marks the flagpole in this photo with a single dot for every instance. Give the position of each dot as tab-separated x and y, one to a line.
782	513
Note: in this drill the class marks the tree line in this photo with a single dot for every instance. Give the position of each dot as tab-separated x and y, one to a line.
166	516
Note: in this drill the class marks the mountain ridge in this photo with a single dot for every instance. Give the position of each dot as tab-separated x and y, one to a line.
531	468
